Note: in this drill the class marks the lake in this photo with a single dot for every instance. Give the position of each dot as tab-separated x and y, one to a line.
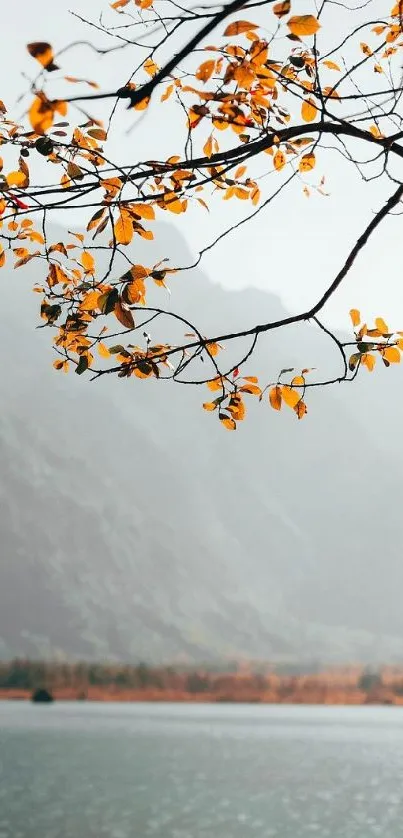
84	770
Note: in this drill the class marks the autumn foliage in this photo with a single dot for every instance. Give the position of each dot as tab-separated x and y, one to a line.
234	683
256	89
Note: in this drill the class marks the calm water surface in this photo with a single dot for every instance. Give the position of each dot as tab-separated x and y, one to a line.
200	771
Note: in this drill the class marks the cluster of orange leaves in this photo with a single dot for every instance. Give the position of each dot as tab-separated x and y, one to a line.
374	342
230	403
241	89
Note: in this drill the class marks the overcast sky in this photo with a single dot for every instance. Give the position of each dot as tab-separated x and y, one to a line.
294	251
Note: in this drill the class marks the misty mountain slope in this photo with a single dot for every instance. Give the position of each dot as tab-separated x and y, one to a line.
134	527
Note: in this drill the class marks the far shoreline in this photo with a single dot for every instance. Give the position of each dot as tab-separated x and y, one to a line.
98	696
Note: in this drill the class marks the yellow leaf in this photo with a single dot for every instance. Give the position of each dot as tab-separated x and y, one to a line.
302	25
308	110
375	132
2	256
290	396
279	160
242	194
208	147
307	162
205	70
282	9
215	384
88	262
368	361
90	301
172	203
239	172
103	350
16	179
228	422
167	93
42	111
275	398
252	389
391	354
210	406
136	292
365	49
213	348
381	325
355	317
150	67
123	228
240	26
298	381
331	65
144	211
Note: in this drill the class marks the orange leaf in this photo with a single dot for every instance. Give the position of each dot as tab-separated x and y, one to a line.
88	262
144	211
227	421
43	53
150	67
302	25
290	396
392	354
252	389
16	179
279	160
123	228
381	326
167	93
205	70
90	301
208	147
307	162
368	361
275	398
103	350
331	65
355	317
301	409
308	110
215	384
240	26
282	9
124	316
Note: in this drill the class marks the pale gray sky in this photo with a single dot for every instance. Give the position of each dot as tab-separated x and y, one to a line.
296	249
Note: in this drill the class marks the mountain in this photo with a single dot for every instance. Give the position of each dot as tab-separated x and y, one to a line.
135	528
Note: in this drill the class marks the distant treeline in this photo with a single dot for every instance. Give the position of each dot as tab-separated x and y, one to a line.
349	685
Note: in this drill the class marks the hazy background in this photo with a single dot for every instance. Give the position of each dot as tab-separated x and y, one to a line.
133	526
